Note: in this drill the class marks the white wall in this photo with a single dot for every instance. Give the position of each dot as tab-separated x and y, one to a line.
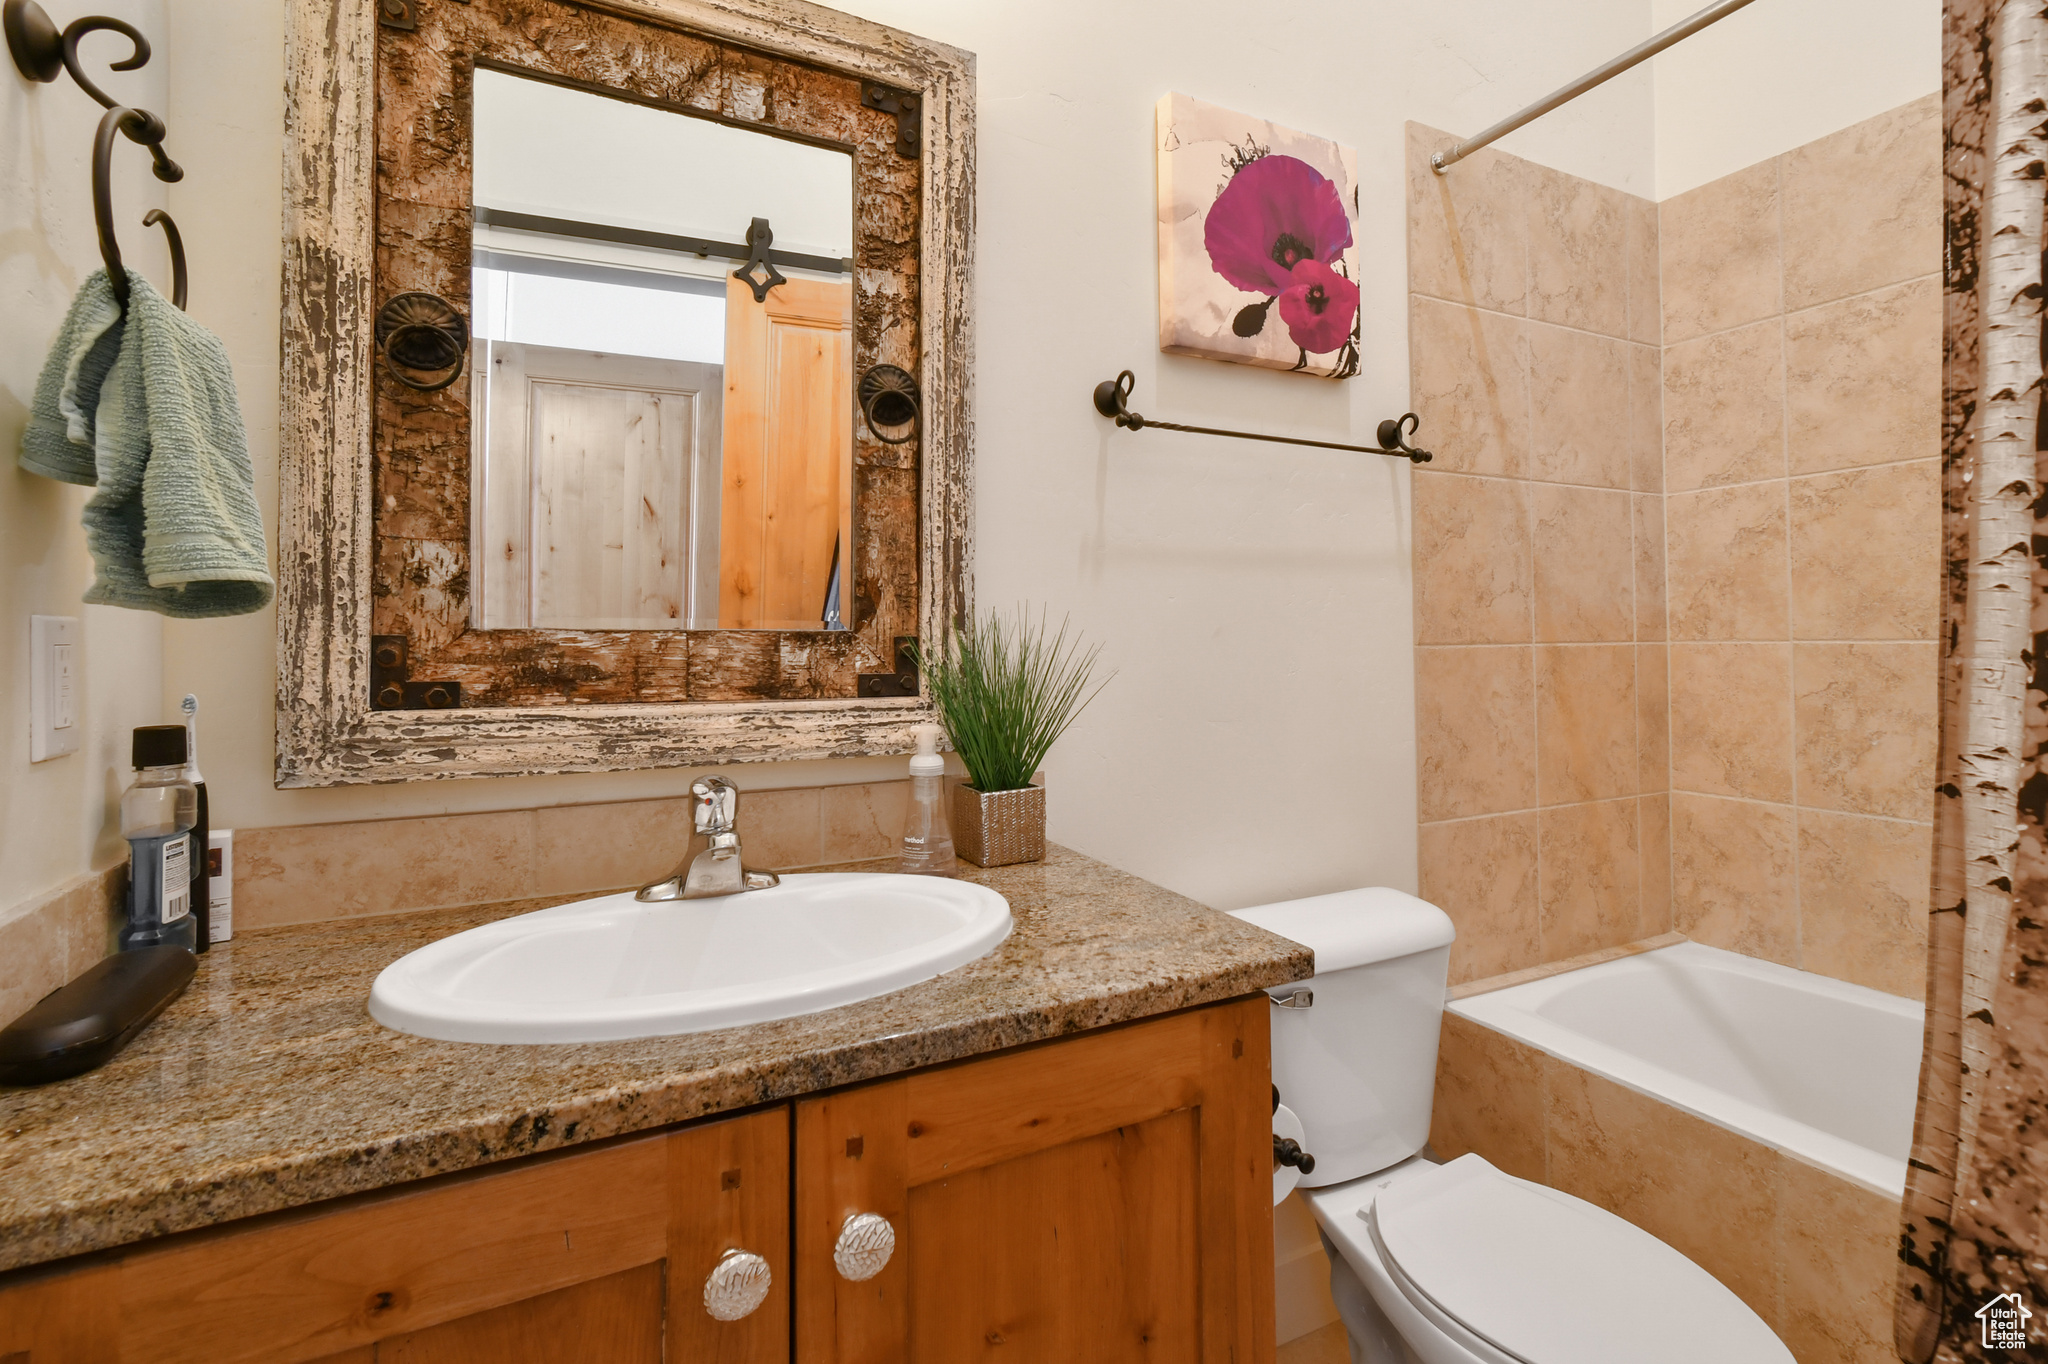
1781	73
1258	740
58	818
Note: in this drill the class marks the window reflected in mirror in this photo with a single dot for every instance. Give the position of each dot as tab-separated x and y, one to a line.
653	445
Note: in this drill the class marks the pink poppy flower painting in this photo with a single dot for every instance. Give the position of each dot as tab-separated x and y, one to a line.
1258	251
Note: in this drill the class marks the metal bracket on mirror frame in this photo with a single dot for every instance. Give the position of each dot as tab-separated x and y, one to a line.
909	111
403	15
902	682
420	331
760	237
891	403
392	689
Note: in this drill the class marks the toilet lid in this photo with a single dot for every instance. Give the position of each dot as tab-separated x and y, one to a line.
1551	1279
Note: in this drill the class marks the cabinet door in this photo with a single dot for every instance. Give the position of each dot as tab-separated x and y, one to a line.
584	1257
1105	1198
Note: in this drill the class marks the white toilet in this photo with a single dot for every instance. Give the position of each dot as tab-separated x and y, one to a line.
1456	1263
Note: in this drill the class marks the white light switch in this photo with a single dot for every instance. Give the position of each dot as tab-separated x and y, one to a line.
53	686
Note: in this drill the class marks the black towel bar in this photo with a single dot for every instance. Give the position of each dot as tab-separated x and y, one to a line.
1112	395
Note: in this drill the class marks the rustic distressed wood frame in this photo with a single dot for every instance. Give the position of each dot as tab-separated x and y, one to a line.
327	734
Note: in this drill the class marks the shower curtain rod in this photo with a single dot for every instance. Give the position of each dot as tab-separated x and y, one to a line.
1450	156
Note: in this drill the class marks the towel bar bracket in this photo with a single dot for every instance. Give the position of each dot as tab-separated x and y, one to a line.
40	50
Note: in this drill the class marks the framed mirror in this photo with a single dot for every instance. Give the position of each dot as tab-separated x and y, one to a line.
626	384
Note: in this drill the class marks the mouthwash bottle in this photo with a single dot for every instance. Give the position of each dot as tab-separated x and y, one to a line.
157	815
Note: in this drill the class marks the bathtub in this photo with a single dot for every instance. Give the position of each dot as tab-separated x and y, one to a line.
1821	1069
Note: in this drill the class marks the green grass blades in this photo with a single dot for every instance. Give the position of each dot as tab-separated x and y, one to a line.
1006	692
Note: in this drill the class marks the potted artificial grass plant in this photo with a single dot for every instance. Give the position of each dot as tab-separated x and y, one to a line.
1005	693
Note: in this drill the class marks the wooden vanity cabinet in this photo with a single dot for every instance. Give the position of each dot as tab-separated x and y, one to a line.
1101	1198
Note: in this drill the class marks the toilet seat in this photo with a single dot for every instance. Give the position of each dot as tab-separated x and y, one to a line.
1545	1278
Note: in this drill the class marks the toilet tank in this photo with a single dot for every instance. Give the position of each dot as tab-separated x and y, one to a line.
1358	1066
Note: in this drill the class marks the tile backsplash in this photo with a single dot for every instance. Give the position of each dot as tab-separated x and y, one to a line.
299	873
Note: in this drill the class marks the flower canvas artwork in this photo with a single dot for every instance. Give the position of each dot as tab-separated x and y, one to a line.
1258	242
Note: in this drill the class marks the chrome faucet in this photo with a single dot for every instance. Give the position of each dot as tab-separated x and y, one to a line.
712	865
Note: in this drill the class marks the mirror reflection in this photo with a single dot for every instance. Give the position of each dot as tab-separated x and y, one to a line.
654	446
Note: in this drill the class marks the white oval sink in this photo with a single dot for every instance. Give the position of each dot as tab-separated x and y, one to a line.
612	968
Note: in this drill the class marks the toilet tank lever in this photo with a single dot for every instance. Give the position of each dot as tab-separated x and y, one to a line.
1299	999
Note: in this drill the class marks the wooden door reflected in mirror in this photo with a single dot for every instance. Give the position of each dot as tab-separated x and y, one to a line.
663	446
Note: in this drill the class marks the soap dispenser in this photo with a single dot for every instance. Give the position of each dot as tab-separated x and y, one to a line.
927	837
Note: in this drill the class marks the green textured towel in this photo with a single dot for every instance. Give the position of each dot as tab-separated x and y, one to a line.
173	526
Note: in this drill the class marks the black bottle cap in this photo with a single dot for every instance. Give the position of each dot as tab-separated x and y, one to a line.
159	746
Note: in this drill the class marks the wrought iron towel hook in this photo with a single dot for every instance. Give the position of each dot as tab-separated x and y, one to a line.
41	50
1112	398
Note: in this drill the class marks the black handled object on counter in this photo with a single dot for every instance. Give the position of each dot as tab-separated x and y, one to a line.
83	1024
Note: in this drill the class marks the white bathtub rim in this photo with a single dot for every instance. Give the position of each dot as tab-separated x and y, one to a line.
1503	1011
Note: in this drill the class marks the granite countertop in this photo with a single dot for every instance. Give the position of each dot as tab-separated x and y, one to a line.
267	1085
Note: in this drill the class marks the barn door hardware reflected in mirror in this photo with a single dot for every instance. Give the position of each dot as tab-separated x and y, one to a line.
760	237
1113	395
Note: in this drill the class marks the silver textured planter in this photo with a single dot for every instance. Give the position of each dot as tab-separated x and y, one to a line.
997	828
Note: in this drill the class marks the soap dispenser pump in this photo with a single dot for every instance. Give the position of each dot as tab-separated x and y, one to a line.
927	837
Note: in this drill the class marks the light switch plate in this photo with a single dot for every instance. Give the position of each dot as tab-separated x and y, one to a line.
55	687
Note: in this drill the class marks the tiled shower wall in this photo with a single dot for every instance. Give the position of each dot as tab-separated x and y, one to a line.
1538	553
1802	404
1737	390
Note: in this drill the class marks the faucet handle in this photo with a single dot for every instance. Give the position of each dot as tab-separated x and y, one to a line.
717	804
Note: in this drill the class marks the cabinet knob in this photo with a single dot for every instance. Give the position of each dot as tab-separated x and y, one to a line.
866	1242
736	1285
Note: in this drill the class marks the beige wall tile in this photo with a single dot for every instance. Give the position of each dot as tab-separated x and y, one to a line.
1838	1252
1578	252
1651	621
606	847
630	843
1653	717
1590	878
1863	379
1482	872
1863	896
1653	823
1704	1191
1725	564
1473	578
1720	253
784	828
1584	561
1724	408
1489	1099
1866	720
1646	418
1863	207
299	873
1468	233
1645	303
1475	730
1585	722
1866	553
865	821
1732	876
1469	372
1578	405
1731	720
34	950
